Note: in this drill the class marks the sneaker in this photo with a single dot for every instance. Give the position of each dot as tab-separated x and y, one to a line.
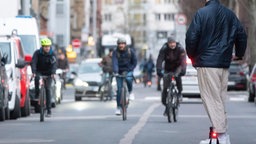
118	111
49	114
131	96
165	112
224	139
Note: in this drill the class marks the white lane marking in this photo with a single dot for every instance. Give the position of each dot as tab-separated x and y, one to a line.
205	116
25	141
130	135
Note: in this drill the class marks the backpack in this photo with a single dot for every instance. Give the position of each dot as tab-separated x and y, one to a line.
129	53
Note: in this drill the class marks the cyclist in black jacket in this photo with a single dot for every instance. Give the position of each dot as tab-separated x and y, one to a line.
44	63
174	57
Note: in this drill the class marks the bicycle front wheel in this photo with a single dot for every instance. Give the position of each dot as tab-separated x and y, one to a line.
124	104
42	104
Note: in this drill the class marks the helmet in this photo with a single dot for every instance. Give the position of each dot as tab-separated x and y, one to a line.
121	40
46	42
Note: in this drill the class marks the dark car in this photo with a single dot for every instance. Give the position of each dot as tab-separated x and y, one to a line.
252	85
4	110
237	79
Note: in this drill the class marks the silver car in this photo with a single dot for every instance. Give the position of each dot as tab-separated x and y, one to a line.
190	82
88	79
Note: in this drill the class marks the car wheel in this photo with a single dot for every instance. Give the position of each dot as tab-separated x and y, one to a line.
25	111
37	108
7	112
78	98
16	111
251	97
2	114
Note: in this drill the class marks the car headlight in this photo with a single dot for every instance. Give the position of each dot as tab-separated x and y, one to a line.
79	82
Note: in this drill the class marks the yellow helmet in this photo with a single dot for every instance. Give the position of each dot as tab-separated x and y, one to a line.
46	42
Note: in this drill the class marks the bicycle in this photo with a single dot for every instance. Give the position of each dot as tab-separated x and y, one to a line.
172	99
106	88
42	95
124	100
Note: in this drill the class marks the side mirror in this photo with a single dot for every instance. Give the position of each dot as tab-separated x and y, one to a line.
21	63
4	59
28	58
74	73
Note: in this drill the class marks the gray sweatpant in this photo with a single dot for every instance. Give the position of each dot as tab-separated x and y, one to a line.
213	84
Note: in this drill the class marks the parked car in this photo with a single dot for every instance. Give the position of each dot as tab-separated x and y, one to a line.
88	79
4	109
8	47
190	82
237	79
252	85
57	89
24	80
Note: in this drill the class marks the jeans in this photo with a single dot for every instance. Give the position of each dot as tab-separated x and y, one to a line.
48	89
119	81
167	82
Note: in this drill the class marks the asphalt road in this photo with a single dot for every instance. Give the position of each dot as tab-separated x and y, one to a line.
93	122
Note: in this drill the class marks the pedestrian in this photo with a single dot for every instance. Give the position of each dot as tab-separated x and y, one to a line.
209	44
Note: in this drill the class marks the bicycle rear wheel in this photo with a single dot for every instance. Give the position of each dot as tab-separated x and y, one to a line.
42	104
124	104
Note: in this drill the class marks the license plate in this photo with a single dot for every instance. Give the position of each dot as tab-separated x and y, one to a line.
190	78
231	83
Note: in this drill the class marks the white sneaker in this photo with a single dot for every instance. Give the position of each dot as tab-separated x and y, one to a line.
131	96
222	140
118	111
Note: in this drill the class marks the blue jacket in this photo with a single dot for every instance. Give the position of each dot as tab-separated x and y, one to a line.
123	62
212	34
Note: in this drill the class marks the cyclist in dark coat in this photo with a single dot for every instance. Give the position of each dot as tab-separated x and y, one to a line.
174	57
44	63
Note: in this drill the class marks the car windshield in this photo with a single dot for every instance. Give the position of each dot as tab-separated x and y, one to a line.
234	68
29	43
86	68
6	50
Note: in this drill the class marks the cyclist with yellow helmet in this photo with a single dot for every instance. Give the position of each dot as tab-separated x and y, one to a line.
44	63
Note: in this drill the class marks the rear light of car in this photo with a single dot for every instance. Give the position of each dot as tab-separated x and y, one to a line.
253	79
241	74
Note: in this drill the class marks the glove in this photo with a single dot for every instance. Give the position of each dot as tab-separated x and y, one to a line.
159	73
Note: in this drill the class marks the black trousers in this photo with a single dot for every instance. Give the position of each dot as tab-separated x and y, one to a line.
48	89
167	81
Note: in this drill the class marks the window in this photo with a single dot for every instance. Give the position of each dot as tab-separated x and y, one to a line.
168	1
161	34
168	17
157	1
60	39
108	2
6	50
108	17
59	8
158	16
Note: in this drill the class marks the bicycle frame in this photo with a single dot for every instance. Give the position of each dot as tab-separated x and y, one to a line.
172	102
123	100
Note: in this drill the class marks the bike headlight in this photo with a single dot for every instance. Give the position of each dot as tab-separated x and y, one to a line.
79	82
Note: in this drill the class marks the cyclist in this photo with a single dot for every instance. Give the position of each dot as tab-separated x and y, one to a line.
62	63
124	61
174	56
106	65
44	63
148	69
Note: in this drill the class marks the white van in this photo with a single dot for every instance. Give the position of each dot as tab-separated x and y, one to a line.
27	30
8	48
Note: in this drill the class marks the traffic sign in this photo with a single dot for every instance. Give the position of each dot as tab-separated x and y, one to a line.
181	19
76	43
